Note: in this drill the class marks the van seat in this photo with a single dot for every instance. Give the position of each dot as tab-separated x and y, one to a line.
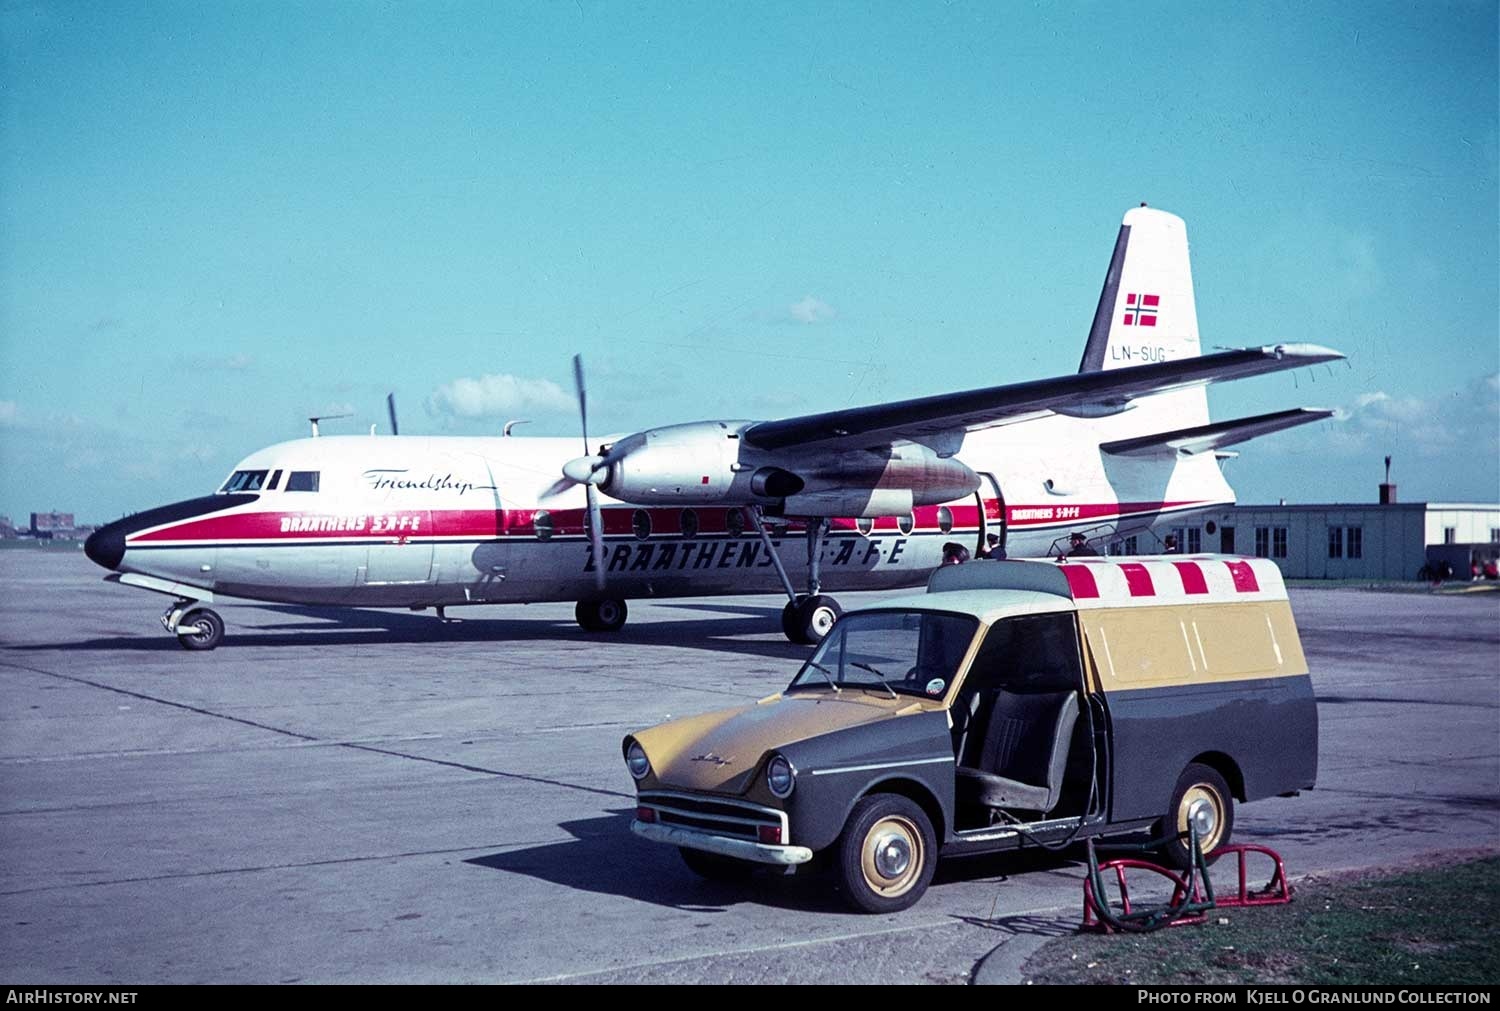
1025	752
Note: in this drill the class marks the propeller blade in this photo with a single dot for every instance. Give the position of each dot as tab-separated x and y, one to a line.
596	536
583	405
390	408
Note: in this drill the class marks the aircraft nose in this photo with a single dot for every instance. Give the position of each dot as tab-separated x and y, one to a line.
106	546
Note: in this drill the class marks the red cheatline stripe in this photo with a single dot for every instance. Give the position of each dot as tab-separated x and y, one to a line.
1138	579
1192	577
1244	577
1080	581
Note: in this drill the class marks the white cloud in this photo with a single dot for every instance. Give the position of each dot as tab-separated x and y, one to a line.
10	413
1467	418
239	362
811	310
495	396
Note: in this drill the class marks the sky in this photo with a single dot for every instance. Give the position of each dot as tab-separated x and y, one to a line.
219	219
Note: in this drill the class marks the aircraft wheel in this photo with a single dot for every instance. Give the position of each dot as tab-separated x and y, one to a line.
791	622
886	855
601	615
807	620
200	629
817	615
1202	797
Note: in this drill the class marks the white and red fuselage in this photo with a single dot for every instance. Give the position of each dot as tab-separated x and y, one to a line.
420	522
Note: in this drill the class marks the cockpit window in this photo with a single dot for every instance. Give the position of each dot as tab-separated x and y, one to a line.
302	480
244	480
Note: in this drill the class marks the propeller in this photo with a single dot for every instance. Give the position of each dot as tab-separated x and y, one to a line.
390	409
587	471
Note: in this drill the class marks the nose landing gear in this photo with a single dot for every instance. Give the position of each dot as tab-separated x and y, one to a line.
196	628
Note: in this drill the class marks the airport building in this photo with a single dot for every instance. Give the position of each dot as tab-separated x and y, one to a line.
1345	541
53	525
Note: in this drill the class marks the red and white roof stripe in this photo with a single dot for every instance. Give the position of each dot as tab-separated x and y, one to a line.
1126	582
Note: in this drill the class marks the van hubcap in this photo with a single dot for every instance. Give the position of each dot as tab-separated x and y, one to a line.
892	856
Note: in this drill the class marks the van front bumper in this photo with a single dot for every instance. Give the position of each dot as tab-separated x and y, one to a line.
741	849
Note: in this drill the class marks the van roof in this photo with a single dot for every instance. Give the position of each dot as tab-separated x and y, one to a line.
986	605
985	588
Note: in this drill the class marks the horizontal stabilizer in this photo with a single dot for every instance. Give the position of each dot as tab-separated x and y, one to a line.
1206	438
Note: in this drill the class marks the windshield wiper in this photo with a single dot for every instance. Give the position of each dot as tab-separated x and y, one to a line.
827	675
879	676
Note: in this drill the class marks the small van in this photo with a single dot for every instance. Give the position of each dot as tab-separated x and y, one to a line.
1013	704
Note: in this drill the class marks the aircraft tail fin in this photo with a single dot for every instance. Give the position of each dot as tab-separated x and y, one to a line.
1146	312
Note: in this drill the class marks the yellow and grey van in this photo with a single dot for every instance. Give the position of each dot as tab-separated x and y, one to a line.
1013	703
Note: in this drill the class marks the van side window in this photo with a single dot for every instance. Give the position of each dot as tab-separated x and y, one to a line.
302	480
1034	653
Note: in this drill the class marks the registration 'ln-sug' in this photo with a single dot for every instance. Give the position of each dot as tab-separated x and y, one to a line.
723	506
1013	704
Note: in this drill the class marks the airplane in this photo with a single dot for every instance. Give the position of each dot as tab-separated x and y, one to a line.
717	507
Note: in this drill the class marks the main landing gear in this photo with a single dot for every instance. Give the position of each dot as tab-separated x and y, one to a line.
809	616
196	628
601	615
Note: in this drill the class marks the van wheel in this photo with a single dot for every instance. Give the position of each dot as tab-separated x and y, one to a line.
1201	798
886	855
714	867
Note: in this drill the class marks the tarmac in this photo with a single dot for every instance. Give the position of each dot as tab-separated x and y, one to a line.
344	796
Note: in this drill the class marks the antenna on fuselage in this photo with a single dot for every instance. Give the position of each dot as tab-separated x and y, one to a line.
390	409
324	417
513	423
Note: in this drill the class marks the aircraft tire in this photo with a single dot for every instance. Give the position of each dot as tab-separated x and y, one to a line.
817	614
791	622
200	629
601	615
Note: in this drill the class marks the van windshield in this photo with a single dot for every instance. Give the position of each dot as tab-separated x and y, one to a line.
906	652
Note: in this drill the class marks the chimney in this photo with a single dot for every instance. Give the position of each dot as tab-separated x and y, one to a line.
1387	490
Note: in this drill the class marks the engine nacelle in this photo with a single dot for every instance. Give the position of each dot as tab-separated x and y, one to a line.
707	462
676	464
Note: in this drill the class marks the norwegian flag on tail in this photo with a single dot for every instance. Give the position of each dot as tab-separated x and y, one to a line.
1141	310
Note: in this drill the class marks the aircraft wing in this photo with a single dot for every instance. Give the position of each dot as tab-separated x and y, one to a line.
1086	394
1204	438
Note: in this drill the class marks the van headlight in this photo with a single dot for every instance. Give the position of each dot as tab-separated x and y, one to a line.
780	776
636	760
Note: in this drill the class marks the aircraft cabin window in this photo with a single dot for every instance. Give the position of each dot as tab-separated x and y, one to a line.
640	524
945	519
689	523
864	525
542	524
734	522
302	480
905	523
245	480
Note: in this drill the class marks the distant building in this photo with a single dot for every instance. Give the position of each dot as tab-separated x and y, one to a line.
1343	541
7	529
53	526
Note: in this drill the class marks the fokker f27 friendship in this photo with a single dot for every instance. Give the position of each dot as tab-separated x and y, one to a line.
717	507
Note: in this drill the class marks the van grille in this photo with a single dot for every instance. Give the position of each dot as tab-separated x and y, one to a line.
714	815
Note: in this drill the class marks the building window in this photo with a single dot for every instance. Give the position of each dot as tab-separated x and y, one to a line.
1495	535
1278	542
1130	545
1262	542
1354	539
1194	540
1335	542
1450	535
